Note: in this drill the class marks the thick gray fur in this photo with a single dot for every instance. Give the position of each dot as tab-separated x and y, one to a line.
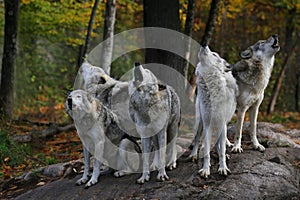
215	106
97	127
155	109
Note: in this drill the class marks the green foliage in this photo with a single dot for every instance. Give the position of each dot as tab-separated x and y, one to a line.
11	153
51	32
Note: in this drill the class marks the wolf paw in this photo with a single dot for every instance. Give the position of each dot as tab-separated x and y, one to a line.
204	172
81	181
237	149
172	166
119	173
192	157
90	183
143	179
224	171
162	176
229	144
259	147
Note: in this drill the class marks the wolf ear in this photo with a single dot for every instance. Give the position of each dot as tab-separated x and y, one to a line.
246	54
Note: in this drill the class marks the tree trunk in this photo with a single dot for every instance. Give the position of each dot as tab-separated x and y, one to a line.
211	23
210	26
12	8
188	29
84	48
278	83
109	24
164	14
289	48
297	87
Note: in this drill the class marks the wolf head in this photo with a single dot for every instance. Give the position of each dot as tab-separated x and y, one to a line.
263	49
92	76
77	101
141	76
210	59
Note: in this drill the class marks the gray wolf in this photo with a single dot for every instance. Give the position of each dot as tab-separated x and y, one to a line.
155	109
112	93
97	127
252	74
215	105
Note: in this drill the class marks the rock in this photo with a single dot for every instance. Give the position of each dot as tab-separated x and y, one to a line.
273	174
270	135
255	175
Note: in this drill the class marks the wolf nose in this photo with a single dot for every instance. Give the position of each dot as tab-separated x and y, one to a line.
136	64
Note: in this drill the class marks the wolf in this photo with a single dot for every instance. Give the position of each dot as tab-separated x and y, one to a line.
215	105
155	109
252	74
97	127
111	92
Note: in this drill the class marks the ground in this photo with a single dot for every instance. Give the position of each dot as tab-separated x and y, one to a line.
273	174
255	175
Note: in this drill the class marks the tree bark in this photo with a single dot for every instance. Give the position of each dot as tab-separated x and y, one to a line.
109	24
211	23
297	87
12	8
48	132
209	29
188	29
84	48
278	83
163	14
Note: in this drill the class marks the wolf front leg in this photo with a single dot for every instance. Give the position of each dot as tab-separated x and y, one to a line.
221	147
237	147
253	111
84	177
98	159
171	146
160	142
205	171
146	147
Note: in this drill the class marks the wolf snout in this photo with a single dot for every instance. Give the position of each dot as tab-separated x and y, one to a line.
138	74
136	64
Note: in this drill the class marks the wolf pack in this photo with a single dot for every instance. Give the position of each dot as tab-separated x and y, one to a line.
132	126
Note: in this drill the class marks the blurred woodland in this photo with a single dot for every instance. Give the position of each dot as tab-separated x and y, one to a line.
51	41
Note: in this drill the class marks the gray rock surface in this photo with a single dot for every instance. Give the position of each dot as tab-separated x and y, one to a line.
273	174
255	175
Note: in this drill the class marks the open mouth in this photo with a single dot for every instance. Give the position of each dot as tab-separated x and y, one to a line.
275	44
70	103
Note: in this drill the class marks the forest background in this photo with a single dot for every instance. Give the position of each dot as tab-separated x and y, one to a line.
51	34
